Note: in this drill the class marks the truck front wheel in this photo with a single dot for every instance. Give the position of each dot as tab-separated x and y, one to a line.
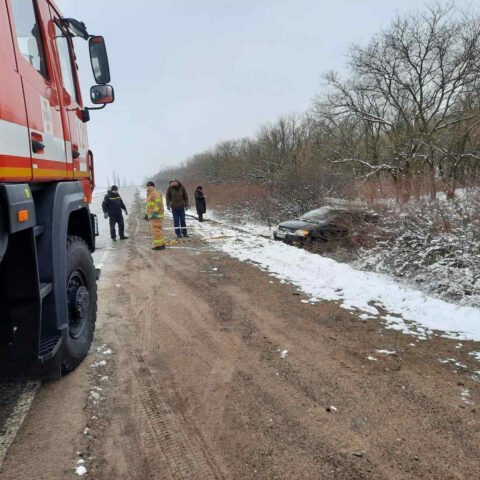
81	303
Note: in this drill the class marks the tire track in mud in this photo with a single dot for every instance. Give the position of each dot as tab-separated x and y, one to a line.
168	447
14	421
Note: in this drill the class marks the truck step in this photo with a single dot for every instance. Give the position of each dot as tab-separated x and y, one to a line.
49	347
45	289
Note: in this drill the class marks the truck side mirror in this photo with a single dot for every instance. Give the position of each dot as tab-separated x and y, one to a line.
99	59
102	94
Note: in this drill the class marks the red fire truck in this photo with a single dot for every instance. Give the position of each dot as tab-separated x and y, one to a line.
48	293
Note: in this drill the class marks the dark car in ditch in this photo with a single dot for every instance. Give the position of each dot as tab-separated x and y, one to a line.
323	225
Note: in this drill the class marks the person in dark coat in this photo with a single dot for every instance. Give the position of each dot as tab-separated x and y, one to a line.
177	201
200	203
112	207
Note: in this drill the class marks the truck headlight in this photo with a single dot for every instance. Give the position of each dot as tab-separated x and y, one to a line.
302	233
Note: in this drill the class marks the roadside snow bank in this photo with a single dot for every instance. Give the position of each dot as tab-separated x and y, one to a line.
408	310
433	244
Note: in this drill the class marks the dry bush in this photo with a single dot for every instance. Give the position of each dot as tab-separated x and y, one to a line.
433	243
225	195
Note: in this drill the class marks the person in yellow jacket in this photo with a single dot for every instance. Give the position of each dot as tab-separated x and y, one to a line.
154	215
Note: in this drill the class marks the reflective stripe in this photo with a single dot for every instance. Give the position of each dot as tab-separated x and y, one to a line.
14	140
6	172
54	148
49	173
69	152
158	200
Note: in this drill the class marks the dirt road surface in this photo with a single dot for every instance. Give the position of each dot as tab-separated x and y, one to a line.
207	368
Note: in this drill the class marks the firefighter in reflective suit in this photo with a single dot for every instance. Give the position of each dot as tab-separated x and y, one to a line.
154	214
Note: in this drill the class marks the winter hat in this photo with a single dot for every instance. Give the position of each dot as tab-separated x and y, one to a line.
150	184
113	187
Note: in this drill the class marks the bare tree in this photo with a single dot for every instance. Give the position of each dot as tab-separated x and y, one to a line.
408	88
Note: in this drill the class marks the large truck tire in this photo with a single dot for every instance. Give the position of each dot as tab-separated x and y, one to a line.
81	303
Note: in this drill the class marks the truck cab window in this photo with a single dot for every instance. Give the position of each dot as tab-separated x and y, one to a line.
66	63
29	37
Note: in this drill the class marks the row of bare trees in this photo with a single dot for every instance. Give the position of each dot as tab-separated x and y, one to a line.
408	109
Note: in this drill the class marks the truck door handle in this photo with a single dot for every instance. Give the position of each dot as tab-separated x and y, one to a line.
37	146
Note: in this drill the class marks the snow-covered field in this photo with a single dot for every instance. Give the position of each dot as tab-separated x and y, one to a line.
369	294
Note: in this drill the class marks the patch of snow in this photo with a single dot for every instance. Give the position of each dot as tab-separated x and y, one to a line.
387	352
373	359
465	394
452	361
101	363
94	395
475	355
81	470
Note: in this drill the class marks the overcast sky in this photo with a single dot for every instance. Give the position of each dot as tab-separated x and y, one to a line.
190	73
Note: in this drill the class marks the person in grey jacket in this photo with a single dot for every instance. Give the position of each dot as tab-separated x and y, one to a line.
177	202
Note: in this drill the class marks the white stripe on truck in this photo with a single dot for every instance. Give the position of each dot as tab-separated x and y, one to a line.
14	140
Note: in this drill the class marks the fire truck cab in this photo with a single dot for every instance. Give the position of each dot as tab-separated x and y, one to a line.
48	294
